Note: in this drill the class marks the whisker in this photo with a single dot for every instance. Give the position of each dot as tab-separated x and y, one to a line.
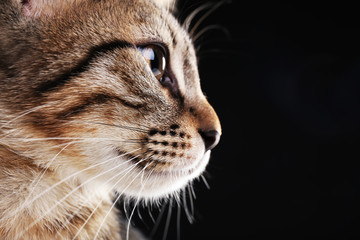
61	138
119	126
168	219
131	215
138	199
125	210
128	170
68	223
118	140
24	113
140	215
178	221
117	199
191	16
191	201
208	28
129	220
144	126
148	176
205	182
158	220
210	11
187	212
150	214
192	190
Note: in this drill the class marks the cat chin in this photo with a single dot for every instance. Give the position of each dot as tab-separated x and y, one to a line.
163	184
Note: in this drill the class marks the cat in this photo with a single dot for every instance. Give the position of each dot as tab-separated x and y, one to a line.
98	99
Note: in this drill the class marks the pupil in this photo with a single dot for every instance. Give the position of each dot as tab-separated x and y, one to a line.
155	65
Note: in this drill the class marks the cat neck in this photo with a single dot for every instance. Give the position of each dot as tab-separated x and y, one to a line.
36	203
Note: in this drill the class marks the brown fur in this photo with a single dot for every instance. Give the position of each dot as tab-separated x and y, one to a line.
74	92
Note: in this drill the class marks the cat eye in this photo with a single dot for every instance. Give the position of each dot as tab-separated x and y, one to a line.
155	57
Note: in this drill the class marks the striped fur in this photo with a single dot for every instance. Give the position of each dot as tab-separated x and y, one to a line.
82	116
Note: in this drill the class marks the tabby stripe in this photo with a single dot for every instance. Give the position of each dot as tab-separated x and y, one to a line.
187	68
82	66
95	99
173	36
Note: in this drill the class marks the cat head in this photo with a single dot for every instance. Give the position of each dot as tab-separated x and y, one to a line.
104	90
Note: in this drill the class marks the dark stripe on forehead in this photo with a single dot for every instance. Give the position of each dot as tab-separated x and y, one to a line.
187	67
95	99
173	36
82	66
171	31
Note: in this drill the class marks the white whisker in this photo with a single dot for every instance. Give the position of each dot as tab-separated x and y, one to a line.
22	114
117	199
140	215
68	223
190	18
192	190
168	219
191	201
178	221
187	212
203	17
205	182
127	170
150	215
208	28
137	129
137	201
158	220
62	138
125	210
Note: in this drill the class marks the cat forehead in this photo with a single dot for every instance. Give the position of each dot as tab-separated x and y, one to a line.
146	21
136	21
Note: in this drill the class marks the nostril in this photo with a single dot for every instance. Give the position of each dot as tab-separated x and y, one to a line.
211	138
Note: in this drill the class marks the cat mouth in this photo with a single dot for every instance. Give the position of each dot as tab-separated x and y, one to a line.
160	168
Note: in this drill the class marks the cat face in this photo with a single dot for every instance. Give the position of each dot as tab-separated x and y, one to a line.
107	91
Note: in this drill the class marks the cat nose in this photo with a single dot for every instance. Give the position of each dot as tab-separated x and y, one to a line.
211	138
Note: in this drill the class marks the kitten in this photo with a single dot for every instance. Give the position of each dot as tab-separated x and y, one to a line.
96	97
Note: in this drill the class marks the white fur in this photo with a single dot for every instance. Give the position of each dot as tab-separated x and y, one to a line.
168	4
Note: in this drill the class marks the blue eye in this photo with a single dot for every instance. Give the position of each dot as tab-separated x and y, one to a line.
155	57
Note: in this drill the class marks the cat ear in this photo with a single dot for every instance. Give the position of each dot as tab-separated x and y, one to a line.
37	8
167	4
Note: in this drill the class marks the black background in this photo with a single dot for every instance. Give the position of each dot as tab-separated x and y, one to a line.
284	79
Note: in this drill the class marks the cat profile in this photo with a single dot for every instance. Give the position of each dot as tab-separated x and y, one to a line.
97	97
